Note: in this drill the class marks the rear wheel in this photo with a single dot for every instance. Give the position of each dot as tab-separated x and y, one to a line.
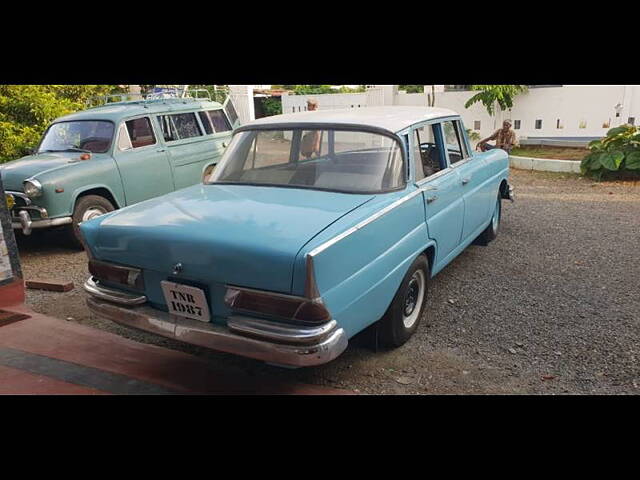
491	232
87	208
405	312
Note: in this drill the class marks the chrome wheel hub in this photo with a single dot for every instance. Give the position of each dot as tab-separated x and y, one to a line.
93	212
413	298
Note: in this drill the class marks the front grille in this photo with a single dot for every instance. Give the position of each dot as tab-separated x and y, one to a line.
20	198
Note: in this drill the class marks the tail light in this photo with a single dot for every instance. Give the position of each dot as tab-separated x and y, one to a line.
285	307
126	276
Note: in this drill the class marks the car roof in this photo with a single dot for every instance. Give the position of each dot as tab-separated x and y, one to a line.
117	110
392	118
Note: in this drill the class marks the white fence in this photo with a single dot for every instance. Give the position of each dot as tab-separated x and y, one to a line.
329	101
567	111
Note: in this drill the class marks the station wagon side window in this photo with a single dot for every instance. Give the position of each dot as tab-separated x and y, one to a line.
166	127
124	142
454	140
214	121
427	154
140	132
185	125
231	111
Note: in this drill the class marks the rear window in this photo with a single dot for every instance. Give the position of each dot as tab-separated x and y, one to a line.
231	111
345	161
214	121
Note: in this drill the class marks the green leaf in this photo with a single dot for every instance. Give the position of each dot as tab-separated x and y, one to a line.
632	161
612	160
595	144
595	161
616	131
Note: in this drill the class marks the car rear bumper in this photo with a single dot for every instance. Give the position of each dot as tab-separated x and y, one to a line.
272	342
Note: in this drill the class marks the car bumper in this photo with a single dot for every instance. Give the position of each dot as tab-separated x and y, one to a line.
272	342
25	223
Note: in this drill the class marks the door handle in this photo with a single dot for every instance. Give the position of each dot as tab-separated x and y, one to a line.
432	198
160	150
466	180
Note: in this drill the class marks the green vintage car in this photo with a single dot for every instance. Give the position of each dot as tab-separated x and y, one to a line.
108	157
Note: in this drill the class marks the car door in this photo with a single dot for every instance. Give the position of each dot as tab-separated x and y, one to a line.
194	140
444	208
473	176
142	161
217	127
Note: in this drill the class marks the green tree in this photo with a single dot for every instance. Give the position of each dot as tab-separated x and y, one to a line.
412	88
272	106
490	95
27	110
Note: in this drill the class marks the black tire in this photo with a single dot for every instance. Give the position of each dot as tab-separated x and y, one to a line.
400	320
491	232
83	211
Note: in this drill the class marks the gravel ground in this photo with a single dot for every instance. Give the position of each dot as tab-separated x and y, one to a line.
550	306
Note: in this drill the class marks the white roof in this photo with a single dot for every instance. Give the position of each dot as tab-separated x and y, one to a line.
393	119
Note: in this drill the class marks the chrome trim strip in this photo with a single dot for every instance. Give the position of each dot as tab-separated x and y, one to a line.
434	176
94	288
43	211
218	337
280	332
21	195
364	223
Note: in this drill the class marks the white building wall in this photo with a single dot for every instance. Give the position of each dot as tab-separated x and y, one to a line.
328	101
589	105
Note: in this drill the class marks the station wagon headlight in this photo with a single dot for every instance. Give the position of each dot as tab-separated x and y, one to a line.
32	188
285	307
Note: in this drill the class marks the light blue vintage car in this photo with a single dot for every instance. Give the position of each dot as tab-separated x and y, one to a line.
313	227
107	157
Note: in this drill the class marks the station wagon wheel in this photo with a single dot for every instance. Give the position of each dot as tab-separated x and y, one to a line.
87	208
405	312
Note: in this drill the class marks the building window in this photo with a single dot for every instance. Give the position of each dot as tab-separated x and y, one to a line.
476	125
631	121
583	124
538	124
516	124
559	124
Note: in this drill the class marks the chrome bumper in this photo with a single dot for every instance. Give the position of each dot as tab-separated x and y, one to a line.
299	346
23	220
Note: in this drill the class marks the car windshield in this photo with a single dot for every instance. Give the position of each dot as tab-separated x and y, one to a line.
327	159
83	136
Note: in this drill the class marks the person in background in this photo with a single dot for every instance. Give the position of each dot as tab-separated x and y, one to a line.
311	140
505	139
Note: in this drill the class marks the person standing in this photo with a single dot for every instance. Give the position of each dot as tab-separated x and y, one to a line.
311	140
505	139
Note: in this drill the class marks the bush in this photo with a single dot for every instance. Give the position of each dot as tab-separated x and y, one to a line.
619	152
27	110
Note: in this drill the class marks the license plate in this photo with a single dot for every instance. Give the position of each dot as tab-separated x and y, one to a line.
185	301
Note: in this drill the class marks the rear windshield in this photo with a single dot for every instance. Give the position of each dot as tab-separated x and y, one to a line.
340	160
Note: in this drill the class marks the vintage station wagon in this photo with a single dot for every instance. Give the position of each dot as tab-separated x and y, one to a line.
313	227
104	158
